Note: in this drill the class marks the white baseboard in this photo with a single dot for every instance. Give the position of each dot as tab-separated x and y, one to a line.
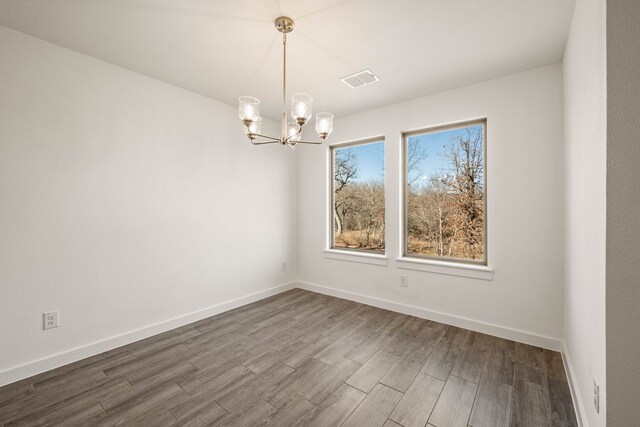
474	325
51	362
573	387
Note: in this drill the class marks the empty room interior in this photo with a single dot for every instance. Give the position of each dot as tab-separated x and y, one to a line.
414	213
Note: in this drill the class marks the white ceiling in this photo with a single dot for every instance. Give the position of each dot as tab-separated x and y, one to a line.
227	48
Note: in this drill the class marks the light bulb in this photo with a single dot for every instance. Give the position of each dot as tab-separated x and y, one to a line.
249	111
301	110
301	107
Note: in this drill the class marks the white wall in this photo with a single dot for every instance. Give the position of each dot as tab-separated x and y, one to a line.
585	210
525	209
623	212
125	202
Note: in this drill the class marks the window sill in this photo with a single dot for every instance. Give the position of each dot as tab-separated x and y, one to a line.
446	267
353	256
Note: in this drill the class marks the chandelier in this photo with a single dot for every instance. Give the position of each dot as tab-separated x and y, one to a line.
291	132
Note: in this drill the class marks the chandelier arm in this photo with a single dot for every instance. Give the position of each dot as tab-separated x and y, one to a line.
309	142
246	129
267	137
254	142
295	134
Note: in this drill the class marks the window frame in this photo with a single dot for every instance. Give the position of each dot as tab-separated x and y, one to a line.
377	256
404	230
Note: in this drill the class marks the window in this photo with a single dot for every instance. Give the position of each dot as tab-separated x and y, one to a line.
445	202
357	196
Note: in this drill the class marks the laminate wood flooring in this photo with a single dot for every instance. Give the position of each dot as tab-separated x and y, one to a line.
301	358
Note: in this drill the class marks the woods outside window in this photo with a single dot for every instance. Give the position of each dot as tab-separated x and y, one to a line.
357	204
444	186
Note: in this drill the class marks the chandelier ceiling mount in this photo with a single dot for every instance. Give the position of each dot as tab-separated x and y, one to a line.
284	24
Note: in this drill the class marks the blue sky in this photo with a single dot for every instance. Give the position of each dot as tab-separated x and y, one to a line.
435	143
371	156
370	161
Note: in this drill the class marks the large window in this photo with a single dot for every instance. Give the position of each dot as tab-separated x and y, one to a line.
445	193
357	196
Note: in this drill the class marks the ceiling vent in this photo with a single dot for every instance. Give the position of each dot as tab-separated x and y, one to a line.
360	79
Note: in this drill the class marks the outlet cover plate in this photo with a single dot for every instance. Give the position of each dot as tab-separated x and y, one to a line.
51	319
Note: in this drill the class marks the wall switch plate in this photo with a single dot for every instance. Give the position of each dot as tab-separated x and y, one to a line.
404	281
51	319
596	396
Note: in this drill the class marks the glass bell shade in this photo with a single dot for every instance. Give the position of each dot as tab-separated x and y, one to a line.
292	132
301	106
324	124
249	108
255	126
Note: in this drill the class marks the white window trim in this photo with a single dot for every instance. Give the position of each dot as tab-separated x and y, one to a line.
450	268
357	256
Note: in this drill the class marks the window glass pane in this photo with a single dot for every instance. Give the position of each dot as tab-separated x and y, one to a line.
445	193
358	197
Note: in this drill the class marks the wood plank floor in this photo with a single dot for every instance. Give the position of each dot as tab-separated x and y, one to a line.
302	358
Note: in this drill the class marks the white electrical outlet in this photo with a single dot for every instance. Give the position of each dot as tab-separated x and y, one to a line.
51	319
404	281
284	266
596	396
